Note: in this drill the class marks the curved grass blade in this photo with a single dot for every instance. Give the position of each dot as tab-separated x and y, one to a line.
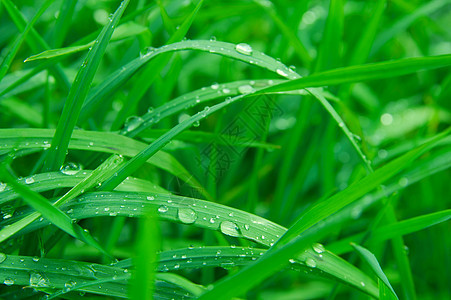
19	40
369	257
387	232
96	177
203	214
191	99
104	142
51	213
364	72
78	94
332	204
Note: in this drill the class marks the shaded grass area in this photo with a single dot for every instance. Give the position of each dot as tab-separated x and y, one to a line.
217	149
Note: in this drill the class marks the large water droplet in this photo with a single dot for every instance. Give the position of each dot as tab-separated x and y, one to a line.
132	123
230	228
163	209
281	73
2	257
187	215
8	281
215	86
70	168
310	262
318	248
246	89
38	280
29	180
243	48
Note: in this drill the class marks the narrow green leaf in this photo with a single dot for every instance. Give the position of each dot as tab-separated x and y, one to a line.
78	94
365	72
369	257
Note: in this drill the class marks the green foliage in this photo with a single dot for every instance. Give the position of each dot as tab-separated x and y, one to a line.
172	149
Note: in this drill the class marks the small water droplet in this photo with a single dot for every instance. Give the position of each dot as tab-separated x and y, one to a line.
8	281
176	266
310	262
212	220
403	181
230	228
215	86
187	215
213	38
225	91
246	226
163	209
362	283
2	186
243	48
112	214
35	259
196	124
150	198
2	257
318	248
29	180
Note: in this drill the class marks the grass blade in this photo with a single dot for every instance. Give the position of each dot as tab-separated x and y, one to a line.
78	94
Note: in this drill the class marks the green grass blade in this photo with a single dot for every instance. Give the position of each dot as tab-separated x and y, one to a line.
325	208
51	213
365	72
78	94
63	22
392	230
152	71
18	42
369	257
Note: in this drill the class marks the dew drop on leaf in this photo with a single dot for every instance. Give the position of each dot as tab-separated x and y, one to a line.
243	48
163	209
230	228
70	168
318	248
310	262
187	215
2	186
29	180
2	257
38	280
245	89
281	73
8	281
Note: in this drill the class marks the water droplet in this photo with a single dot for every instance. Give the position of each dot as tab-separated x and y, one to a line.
187	215
69	211
212	220
246	226
150	198
386	119
318	248
362	283
230	228
281	73
243	48
246	89
403	181
163	209
213	38
292	68
70	168
69	285
112	214
2	257
196	124
106	209
8	281
132	123
35	259
38	280
2	186
225	91
176	266
215	86
7	211
292	261
29	180
310	262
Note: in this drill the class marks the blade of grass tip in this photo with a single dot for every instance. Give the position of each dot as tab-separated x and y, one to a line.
152	71
19	40
366	72
78	93
36	42
104	171
51	213
331	38
369	258
334	203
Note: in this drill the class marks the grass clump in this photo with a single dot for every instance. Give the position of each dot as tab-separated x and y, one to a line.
219	150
